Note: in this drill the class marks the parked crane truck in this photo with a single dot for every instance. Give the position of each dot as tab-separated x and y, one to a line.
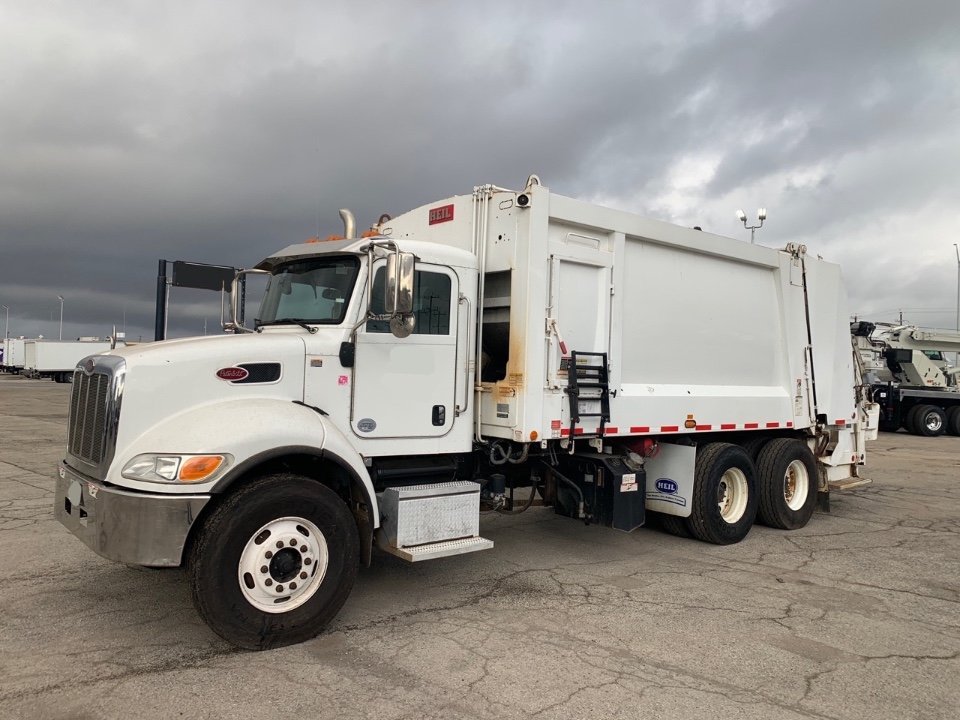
395	383
910	378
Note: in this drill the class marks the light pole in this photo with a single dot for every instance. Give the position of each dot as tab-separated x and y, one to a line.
956	247
60	298
761	216
6	329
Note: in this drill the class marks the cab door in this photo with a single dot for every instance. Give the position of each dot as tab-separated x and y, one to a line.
406	387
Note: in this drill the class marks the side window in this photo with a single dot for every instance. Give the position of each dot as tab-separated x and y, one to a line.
431	304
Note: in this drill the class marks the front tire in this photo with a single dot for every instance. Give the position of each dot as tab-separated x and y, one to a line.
788	482
274	562
724	502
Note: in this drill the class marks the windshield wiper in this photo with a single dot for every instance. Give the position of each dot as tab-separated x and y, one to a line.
290	321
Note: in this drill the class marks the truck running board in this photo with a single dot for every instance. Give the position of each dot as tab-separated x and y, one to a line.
445	548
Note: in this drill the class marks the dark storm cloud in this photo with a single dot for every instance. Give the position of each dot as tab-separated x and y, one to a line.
193	132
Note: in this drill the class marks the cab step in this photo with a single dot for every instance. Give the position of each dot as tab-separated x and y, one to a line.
444	548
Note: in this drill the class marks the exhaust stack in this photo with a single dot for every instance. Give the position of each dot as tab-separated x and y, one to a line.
349	224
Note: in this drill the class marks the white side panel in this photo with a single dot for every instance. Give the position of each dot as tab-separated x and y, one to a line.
703	336
699	319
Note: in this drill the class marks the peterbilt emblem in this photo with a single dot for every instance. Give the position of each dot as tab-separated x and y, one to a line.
366	425
233	374
88	366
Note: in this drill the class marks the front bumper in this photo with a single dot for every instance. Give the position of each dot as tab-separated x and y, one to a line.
129	527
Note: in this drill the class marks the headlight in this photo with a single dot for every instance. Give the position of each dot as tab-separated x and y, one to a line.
175	468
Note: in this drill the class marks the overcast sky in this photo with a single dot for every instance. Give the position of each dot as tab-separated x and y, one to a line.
221	131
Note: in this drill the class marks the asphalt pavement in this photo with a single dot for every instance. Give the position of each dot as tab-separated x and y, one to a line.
854	616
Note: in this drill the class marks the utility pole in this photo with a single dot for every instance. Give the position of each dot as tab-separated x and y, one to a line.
6	330
60	298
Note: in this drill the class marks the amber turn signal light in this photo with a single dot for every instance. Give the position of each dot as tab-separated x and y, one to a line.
199	467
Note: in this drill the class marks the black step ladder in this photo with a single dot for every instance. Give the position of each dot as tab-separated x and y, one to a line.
589	376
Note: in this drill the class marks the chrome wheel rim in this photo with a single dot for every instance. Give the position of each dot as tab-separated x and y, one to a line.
283	564
933	422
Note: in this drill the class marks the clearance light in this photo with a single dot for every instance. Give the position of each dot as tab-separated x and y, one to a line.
174	468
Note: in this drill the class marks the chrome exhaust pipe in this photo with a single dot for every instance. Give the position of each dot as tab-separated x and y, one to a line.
349	224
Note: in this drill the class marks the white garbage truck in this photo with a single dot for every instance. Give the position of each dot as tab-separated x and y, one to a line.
488	347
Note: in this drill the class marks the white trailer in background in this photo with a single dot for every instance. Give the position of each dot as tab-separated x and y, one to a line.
13	355
57	359
618	366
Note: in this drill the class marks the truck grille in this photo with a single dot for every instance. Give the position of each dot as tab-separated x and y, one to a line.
95	413
89	414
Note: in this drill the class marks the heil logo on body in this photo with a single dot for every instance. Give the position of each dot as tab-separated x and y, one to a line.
666	485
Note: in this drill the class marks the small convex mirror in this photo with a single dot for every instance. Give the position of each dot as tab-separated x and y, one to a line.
398	293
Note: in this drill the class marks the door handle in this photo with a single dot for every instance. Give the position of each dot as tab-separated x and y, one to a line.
439	415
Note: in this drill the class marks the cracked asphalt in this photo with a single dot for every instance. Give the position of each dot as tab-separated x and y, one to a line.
854	616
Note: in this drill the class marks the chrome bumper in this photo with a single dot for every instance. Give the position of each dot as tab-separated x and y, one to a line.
128	527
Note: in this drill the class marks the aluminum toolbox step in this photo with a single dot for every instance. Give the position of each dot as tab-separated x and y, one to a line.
445	548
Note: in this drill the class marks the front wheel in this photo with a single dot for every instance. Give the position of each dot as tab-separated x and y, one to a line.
274	563
724	502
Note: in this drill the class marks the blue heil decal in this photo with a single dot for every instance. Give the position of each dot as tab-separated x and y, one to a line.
666	485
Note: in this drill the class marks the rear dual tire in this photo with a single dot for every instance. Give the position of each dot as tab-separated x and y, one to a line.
724	502
730	491
788	484
953	420
926	421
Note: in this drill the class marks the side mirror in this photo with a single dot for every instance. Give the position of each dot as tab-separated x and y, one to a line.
234	323
398	293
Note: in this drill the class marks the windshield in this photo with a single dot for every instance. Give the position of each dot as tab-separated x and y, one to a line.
312	291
